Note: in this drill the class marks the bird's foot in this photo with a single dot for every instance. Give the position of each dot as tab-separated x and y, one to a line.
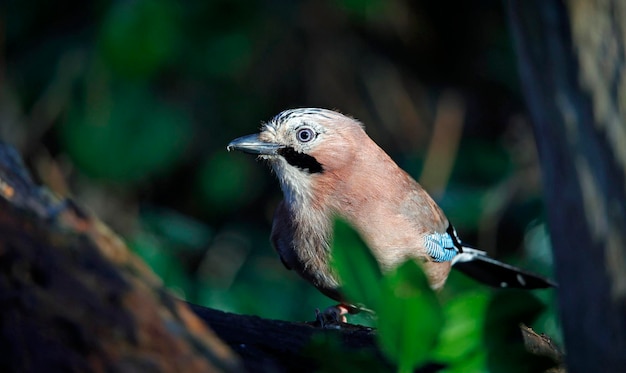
333	316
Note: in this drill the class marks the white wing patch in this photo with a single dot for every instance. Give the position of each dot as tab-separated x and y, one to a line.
468	255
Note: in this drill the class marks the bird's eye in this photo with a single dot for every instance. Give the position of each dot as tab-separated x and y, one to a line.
305	134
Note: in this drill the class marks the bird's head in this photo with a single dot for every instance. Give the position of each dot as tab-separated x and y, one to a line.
305	146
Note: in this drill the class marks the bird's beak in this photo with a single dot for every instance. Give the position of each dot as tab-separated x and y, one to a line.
253	145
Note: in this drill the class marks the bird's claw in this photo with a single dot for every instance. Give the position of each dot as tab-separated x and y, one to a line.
333	316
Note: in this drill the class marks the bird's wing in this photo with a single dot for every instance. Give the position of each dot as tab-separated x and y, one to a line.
282	233
440	247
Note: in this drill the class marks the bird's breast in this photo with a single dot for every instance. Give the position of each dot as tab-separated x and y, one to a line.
302	238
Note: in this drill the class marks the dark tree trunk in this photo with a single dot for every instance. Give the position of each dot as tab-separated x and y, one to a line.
571	58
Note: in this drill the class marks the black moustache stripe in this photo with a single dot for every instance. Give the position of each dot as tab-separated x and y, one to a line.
301	160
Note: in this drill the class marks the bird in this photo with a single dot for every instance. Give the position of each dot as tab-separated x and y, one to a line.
328	167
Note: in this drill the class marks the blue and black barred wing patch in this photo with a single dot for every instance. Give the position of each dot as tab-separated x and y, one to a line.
440	246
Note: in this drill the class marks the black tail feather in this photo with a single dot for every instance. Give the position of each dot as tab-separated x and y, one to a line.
480	267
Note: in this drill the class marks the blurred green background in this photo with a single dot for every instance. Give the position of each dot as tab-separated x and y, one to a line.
130	104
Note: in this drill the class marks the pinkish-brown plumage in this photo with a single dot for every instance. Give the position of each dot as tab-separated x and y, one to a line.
328	166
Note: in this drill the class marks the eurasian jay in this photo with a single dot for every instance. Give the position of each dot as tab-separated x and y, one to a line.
329	167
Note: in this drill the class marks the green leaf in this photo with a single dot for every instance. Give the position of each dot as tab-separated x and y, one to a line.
409	314
356	266
461	345
410	317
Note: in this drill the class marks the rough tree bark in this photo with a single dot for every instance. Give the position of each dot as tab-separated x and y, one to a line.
572	63
74	299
